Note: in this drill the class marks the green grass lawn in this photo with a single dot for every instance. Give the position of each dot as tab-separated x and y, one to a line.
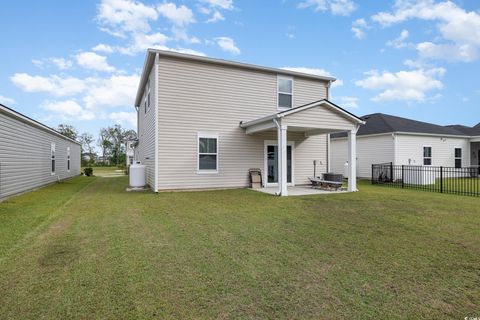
86	249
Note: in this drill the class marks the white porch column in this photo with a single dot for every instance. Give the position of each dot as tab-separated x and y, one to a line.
282	159
352	160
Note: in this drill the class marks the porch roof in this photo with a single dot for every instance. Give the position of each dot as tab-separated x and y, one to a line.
338	119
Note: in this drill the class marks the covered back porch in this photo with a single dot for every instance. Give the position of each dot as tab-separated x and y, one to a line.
314	119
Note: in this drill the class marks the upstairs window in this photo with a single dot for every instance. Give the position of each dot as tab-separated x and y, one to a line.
458	157
284	92
146	96
207	153
52	157
427	156
68	159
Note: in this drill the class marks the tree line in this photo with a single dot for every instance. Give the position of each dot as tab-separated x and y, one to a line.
111	142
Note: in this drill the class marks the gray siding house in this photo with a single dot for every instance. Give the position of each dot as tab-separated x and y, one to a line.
386	138
203	123
32	154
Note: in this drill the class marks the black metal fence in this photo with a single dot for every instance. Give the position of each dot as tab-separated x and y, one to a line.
461	181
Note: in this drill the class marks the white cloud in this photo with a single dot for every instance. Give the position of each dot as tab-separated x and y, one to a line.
217	16
124	118
449	52
348	102
120	16
54	85
403	85
336	7
105	48
221	4
93	61
180	16
6	100
358	28
60	63
227	44
116	91
317	72
67	110
141	42
459	28
399	42
95	93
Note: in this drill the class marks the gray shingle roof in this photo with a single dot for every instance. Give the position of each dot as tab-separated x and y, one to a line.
384	123
469	131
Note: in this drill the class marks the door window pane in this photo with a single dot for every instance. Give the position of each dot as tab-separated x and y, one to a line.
272	164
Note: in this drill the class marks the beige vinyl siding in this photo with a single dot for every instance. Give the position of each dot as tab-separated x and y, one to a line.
25	156
146	132
443	150
307	91
370	150
196	97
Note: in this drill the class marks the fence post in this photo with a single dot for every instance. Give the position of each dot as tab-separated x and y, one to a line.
391	171
403	176
372	173
441	179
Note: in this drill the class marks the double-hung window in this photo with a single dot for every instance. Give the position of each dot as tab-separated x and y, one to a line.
68	159
207	153
52	157
284	92
458	157
427	156
146	97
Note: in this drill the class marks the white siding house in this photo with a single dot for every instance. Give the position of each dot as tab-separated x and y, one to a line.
203	123
385	138
32	154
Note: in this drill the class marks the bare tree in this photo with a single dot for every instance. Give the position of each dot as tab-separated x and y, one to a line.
86	139
104	142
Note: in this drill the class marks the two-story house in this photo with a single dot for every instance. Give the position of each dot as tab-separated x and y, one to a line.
203	123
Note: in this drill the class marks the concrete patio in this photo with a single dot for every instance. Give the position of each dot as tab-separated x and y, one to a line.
299	190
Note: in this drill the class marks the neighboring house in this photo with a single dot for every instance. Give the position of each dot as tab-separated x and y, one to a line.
386	138
103	160
203	123
32	154
130	152
88	157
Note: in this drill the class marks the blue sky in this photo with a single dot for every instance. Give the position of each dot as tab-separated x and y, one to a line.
78	62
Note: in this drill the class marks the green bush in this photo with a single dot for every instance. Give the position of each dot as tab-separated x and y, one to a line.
88	171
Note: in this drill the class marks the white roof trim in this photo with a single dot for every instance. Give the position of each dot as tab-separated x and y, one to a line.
282	114
422	134
432	134
172	54
34	123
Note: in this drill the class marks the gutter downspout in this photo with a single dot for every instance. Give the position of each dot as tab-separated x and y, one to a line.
155	65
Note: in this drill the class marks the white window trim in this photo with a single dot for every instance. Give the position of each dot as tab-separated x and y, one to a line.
267	143
69	163
146	92
211	136
53	156
455	156
278	91
423	156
